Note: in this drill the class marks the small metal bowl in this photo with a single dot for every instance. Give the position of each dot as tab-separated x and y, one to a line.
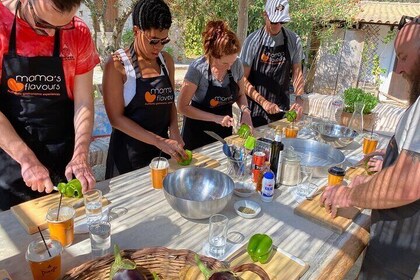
333	134
198	193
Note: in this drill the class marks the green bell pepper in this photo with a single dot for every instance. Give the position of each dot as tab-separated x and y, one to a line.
71	189
244	131
291	115
260	247
187	161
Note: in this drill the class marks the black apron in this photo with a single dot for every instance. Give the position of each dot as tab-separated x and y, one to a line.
218	100
270	76
394	245
34	99
151	109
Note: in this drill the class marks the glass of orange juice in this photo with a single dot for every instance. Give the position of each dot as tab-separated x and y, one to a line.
335	175
159	169
291	131
61	224
370	142
45	264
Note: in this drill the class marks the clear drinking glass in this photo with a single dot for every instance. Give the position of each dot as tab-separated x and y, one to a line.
100	238
356	120
93	205
218	225
305	186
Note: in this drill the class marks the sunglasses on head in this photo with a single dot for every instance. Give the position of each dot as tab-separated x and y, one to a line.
40	23
155	41
407	19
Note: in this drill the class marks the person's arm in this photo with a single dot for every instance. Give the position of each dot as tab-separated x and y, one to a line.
34	173
113	85
173	126
243	104
297	76
394	186
188	90
83	125
252	93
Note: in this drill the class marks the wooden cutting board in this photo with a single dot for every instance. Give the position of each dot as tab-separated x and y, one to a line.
353	172
197	160
282	265
312	210
31	214
280	124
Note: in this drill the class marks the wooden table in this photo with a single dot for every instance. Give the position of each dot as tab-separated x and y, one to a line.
150	221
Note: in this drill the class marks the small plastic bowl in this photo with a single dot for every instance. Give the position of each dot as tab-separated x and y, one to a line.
247	209
243	189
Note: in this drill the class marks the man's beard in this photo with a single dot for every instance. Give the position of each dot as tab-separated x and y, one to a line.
414	81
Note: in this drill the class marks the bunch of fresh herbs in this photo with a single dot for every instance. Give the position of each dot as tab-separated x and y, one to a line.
352	95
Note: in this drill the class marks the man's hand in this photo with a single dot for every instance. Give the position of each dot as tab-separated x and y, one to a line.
271	108
36	176
335	197
79	167
299	110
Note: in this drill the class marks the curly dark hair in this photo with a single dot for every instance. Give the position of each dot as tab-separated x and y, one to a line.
148	14
66	5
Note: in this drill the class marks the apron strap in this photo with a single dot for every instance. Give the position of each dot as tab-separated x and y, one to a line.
57	43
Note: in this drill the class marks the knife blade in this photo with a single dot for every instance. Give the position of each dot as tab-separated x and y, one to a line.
215	136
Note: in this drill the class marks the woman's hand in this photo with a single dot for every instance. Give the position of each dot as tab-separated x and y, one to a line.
299	110
80	168
226	121
246	118
172	148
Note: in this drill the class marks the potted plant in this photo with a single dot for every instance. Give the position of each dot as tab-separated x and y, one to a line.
353	95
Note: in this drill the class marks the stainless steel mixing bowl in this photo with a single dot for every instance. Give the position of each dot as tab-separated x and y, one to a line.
198	193
318	156
333	134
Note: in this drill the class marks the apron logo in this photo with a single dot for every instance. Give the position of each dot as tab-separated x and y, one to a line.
214	103
14	85
149	97
264	57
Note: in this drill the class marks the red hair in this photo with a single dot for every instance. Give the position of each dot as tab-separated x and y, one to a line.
219	40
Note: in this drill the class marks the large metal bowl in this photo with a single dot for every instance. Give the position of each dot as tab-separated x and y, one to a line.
316	155
198	193
333	134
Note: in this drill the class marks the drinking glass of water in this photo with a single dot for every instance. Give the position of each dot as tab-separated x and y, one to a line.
218	225
93	206
100	238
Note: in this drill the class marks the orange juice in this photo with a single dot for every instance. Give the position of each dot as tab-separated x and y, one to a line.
159	169
61	229
370	142
44	266
291	132
335	175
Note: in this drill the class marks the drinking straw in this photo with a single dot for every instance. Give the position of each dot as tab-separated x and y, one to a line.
45	243
160	154
59	206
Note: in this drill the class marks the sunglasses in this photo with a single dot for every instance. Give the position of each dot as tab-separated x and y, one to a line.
274	23
155	41
407	19
40	23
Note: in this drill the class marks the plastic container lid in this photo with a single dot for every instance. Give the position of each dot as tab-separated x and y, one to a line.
337	171
269	175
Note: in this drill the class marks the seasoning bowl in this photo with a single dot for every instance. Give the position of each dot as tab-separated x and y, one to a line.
244	189
247	209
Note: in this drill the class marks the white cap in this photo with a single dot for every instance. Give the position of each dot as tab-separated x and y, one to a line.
277	10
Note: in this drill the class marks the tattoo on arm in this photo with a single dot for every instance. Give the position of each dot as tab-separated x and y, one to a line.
415	157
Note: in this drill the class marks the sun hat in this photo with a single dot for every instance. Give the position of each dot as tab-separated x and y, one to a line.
277	10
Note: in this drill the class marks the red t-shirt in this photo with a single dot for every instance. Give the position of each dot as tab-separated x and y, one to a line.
77	49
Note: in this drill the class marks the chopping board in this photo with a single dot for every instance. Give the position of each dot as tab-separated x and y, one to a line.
31	214
280	124
312	210
238	141
281	265
198	159
353	172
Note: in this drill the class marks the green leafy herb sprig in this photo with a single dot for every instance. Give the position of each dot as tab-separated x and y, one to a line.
352	95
